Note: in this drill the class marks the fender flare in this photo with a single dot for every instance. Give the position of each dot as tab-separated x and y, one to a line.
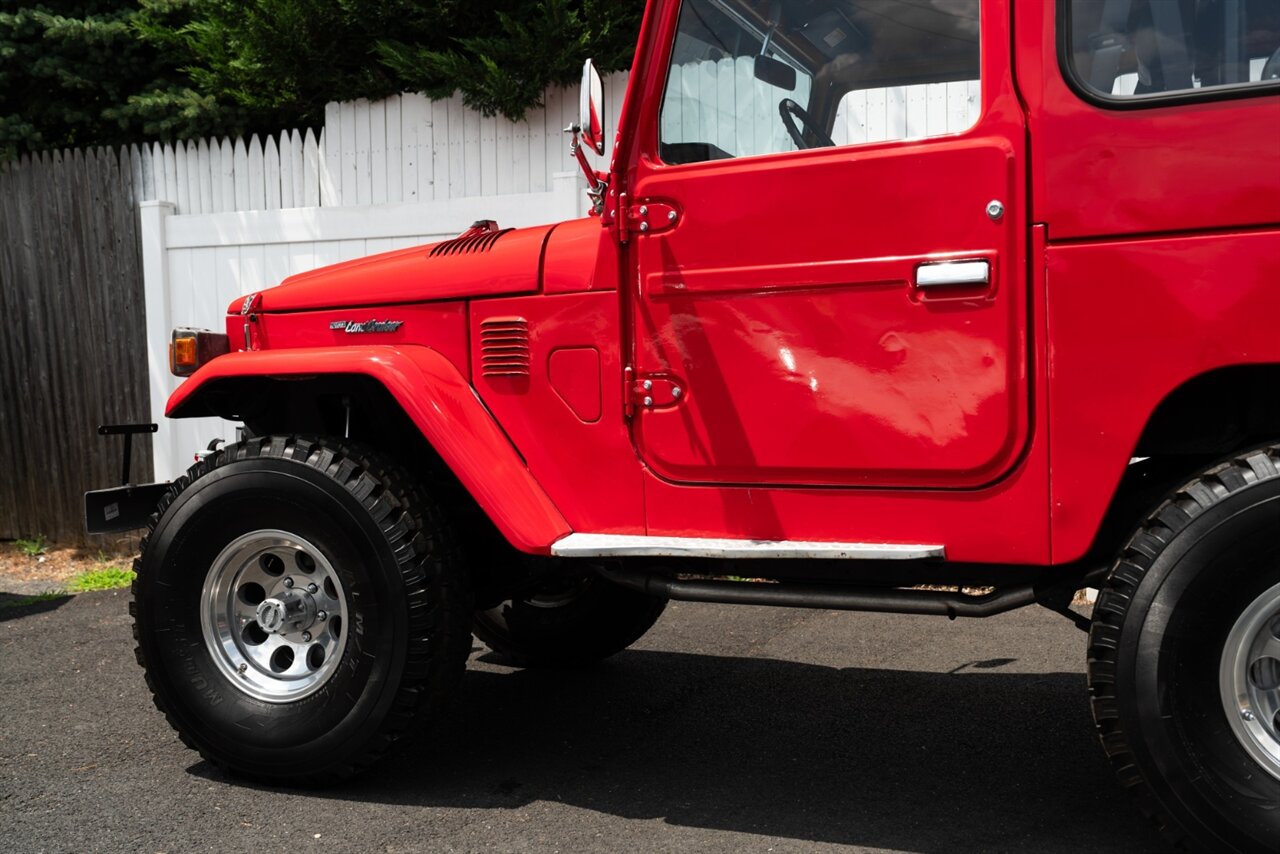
438	399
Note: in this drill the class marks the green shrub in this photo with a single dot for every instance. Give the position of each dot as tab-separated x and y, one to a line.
31	547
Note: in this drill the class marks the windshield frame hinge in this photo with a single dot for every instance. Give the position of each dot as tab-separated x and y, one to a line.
658	390
651	216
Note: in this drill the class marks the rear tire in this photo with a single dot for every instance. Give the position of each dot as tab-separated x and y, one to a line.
1184	689
299	606
568	622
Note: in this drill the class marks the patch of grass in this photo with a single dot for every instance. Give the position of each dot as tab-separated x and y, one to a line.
107	578
31	547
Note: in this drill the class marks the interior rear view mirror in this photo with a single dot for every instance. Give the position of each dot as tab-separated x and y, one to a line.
775	72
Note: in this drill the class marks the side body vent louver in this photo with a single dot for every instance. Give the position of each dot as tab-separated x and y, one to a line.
504	347
469	245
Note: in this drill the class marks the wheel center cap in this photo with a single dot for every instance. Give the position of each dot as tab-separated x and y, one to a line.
288	611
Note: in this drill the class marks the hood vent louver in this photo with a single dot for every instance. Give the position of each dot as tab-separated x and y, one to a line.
504	347
468	245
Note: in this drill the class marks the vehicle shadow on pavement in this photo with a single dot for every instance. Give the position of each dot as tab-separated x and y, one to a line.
975	760
15	605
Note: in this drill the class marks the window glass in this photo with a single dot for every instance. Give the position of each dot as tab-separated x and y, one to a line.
764	76
1127	49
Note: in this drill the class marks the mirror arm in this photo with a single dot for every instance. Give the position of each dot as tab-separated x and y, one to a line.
596	183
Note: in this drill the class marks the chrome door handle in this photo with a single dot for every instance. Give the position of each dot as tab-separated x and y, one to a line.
942	274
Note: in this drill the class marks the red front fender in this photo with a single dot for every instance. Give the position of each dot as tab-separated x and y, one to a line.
439	400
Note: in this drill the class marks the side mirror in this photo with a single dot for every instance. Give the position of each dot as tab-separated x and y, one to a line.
591	108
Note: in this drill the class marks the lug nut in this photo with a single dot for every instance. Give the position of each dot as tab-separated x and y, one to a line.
648	401
311	588
306	637
671	215
322	615
677	391
288	582
648	385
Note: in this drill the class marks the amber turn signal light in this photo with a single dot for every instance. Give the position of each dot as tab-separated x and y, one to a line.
190	349
182	353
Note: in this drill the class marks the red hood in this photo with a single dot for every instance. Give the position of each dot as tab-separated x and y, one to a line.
506	263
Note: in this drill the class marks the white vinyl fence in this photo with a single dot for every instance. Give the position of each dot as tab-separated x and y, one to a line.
405	148
221	219
722	103
907	112
195	265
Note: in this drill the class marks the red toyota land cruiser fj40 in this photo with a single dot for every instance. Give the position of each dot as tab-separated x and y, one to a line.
879	297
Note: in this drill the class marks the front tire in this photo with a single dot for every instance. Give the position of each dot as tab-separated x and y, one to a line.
299	605
1184	659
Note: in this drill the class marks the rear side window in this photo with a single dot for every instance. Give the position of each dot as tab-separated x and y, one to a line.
1128	51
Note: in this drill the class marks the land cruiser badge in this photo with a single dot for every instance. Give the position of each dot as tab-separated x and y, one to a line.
352	327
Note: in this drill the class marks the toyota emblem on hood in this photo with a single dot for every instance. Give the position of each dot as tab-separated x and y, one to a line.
353	327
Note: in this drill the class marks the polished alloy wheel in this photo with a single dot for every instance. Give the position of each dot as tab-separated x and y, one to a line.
272	611
1250	680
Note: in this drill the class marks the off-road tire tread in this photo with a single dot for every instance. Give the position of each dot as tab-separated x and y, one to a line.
429	561
1115	596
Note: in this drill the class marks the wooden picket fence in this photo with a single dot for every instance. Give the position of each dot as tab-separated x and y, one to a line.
73	353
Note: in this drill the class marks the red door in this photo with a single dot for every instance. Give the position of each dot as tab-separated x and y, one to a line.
794	313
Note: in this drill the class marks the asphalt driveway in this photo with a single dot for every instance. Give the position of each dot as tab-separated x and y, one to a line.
726	729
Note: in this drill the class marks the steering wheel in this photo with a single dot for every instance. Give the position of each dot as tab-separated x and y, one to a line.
789	108
1271	70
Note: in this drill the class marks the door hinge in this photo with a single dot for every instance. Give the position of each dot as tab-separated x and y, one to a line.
654	391
648	217
628	378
